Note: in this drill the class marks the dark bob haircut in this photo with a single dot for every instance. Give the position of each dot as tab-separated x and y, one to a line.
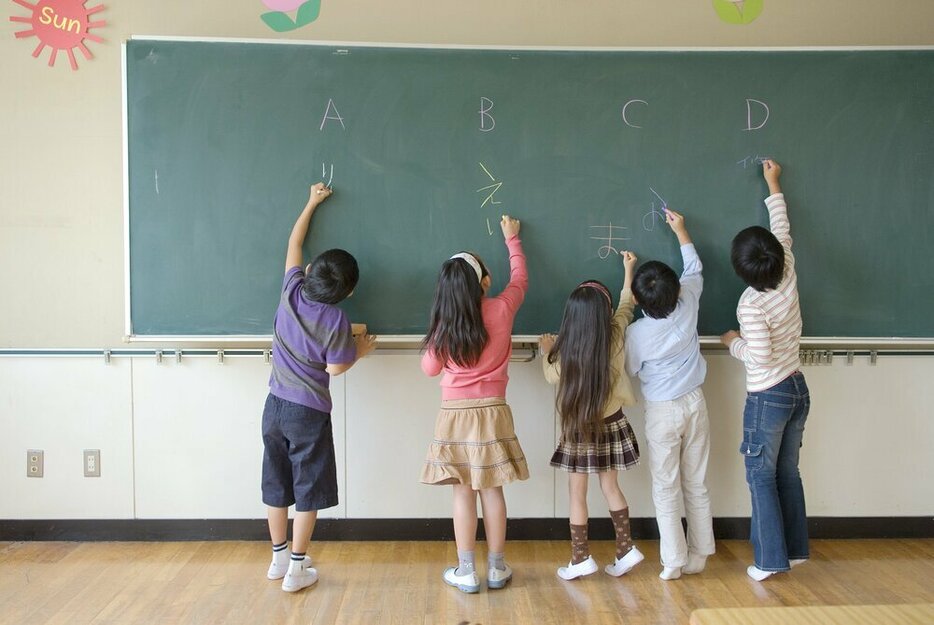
332	277
758	258
656	287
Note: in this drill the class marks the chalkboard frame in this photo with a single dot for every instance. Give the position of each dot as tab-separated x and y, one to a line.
833	343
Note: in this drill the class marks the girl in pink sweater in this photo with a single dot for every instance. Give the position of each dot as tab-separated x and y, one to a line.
475	448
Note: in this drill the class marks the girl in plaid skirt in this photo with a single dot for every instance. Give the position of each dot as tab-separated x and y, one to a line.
586	360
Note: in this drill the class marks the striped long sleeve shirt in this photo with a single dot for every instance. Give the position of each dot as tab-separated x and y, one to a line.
770	321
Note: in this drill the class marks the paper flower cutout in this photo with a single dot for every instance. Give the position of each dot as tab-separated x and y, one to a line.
279	20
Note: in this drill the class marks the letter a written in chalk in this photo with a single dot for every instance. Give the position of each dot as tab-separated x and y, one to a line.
329	116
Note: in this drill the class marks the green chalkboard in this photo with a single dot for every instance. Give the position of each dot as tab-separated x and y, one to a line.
224	139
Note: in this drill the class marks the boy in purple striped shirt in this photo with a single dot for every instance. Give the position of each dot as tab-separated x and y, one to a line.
313	340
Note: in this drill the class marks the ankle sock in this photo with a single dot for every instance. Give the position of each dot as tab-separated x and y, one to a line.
297	558
465	562
623	536
496	560
580	547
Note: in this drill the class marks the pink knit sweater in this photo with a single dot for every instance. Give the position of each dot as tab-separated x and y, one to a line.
488	376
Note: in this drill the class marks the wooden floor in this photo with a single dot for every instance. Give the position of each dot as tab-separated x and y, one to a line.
399	582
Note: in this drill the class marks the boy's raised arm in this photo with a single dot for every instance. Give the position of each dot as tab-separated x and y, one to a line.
778	210
691	279
293	256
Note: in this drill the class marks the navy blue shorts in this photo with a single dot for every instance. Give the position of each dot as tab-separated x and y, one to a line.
298	457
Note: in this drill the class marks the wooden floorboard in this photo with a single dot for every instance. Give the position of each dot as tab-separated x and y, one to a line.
389	583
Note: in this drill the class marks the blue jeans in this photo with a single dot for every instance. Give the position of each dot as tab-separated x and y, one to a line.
773	428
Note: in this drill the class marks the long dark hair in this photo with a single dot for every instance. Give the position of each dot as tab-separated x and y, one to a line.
588	333
455	329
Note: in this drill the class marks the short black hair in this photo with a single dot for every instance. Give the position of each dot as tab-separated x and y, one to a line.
656	286
331	277
758	258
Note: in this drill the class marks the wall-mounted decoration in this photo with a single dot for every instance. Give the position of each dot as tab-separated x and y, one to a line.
60	25
306	11
738	11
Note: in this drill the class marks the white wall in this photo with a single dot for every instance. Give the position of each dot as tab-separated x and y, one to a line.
183	440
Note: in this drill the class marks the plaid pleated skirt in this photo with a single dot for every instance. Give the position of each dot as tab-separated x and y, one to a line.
617	451
475	444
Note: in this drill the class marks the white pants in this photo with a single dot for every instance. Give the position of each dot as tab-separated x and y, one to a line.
678	435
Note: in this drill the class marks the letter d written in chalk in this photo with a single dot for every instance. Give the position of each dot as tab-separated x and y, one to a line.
761	108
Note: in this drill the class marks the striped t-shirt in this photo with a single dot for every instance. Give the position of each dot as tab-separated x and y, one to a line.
770	321
308	336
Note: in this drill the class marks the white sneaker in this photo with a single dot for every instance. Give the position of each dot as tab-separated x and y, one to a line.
696	564
625	564
469	583
795	563
300	575
573	571
758	574
280	565
496	578
669	573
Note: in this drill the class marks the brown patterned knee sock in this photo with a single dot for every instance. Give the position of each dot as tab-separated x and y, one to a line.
580	548
623	536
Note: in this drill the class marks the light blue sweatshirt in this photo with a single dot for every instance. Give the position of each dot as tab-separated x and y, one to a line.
665	353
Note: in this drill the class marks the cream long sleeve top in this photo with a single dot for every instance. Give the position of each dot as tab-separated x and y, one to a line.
621	393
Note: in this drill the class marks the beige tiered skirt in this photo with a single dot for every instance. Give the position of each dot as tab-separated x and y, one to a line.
475	444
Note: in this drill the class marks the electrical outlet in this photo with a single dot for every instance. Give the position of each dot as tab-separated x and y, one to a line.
92	463
34	462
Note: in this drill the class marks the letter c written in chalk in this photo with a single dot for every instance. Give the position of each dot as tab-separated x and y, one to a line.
626	106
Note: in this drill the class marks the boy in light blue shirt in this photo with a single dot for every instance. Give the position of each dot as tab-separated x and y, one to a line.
663	351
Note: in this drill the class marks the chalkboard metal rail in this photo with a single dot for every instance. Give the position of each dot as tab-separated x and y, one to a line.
413	341
221	352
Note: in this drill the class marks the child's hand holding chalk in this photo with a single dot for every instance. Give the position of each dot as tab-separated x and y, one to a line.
509	226
318	193
674	219
629	260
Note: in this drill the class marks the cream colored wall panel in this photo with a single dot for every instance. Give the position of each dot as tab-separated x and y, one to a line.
64	405
391	410
532	402
198	442
869	438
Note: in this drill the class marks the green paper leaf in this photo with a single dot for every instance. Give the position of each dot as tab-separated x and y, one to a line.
307	13
279	21
738	11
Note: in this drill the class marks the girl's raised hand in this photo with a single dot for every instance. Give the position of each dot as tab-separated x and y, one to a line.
629	260
509	225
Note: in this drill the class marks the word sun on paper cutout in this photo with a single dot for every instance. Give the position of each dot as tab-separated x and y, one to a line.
278	19
60	25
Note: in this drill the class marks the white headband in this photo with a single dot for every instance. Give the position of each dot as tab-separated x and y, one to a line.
472	261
